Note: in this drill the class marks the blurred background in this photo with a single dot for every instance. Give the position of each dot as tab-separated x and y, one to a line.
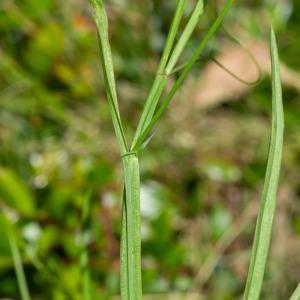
202	172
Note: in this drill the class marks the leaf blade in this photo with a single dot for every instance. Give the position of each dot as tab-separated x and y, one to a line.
108	72
160	80
296	294
168	98
18	265
263	229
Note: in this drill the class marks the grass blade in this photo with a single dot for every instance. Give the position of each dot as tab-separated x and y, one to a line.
131	279
166	101
296	294
108	72
198	10
263	229
160	78
20	274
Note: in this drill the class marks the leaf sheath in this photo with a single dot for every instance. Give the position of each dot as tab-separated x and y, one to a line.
131	281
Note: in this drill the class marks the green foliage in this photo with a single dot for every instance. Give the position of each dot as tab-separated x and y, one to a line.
18	266
206	162
268	203
15	194
130	256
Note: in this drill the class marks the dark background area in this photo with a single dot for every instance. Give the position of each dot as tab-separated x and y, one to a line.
202	172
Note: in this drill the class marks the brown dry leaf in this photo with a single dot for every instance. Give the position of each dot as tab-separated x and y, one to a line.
217	86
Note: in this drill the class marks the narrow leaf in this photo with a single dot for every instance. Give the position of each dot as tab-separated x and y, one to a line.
20	274
160	78
108	71
15	194
263	229
296	294
166	101
198	10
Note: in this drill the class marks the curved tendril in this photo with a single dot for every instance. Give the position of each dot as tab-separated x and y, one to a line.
210	56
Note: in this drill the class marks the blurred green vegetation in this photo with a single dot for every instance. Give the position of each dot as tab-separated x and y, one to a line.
200	182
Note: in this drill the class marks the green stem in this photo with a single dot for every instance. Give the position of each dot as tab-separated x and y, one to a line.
160	80
198	10
168	98
131	279
18	266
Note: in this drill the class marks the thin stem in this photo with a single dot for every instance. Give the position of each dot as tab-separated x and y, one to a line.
166	101
131	279
198	10
160	78
18	266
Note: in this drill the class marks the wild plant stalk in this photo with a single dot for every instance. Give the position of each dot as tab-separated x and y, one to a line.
131	283
20	274
263	229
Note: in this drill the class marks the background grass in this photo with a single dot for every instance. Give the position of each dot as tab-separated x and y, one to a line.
201	183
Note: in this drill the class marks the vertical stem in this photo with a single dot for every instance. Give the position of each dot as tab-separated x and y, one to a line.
18	267
131	279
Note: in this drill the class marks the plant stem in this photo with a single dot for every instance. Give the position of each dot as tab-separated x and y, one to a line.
18	266
168	98
192	23
131	279
160	80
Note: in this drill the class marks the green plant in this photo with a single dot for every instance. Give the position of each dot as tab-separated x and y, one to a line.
130	243
131	283
19	270
41	118
268	203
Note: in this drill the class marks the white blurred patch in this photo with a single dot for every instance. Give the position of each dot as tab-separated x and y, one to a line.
109	200
32	232
145	231
151	205
40	181
36	160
